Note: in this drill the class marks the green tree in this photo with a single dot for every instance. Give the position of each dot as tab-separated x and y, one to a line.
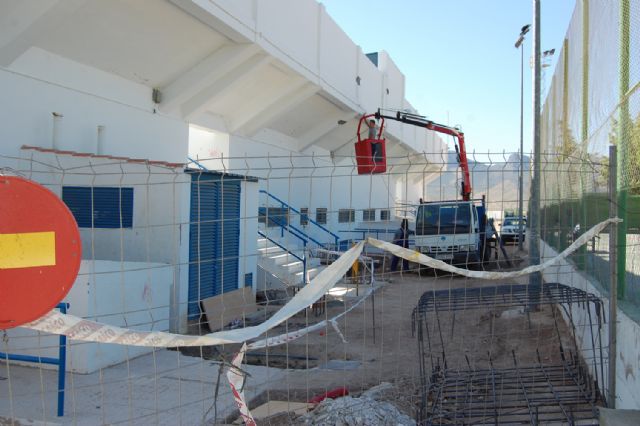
570	161
569	146
632	164
633	161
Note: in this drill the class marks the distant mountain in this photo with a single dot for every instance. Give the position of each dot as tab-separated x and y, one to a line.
497	180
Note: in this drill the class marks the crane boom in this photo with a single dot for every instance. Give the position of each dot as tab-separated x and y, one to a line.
420	121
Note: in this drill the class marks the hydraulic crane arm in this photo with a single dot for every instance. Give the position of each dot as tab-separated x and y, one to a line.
420	121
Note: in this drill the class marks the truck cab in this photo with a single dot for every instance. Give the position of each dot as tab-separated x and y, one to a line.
450	231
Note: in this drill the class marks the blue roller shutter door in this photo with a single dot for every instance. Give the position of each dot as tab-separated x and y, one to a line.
214	237
229	235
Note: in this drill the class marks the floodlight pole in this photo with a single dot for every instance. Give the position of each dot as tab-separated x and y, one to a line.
519	44
521	174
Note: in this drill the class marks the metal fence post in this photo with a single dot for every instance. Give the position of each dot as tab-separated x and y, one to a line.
535	279
613	269
584	133
623	143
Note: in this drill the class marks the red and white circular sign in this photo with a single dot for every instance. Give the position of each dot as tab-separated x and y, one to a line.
40	251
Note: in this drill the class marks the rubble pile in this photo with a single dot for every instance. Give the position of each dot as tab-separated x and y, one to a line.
360	411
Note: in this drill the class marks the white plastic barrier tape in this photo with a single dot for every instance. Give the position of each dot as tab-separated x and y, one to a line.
422	259
81	329
236	379
293	335
86	330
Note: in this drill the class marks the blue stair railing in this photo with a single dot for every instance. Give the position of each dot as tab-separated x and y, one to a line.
303	259
197	163
285	226
290	227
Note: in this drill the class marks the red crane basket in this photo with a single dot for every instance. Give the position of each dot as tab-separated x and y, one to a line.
367	162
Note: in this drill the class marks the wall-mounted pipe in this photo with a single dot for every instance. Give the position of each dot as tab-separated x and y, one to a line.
100	140
55	133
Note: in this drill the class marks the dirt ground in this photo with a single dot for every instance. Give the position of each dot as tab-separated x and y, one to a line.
380	344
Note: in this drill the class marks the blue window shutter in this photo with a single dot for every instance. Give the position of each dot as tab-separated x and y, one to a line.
78	199
112	207
100	207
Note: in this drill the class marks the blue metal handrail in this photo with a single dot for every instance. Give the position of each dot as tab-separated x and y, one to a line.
61	361
197	163
344	244
284	226
294	231
365	231
303	259
336	238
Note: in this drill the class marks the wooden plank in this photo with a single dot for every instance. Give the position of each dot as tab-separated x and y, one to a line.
234	305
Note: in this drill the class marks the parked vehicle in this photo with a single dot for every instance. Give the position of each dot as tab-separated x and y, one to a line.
510	229
452	231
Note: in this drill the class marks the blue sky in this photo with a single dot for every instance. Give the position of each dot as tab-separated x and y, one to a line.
459	59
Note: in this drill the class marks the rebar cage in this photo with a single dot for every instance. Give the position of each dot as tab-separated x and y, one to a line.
498	378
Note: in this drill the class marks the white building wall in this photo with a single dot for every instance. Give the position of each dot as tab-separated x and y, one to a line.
311	181
209	148
248	262
306	181
628	338
324	54
320	51
395	82
40	83
337	48
157	211
161	217
127	294
371	89
161	204
275	25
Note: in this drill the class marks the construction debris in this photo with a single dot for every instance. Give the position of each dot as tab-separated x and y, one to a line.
350	411
273	408
229	309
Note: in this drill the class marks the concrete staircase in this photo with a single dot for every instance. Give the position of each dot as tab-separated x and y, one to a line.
279	268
